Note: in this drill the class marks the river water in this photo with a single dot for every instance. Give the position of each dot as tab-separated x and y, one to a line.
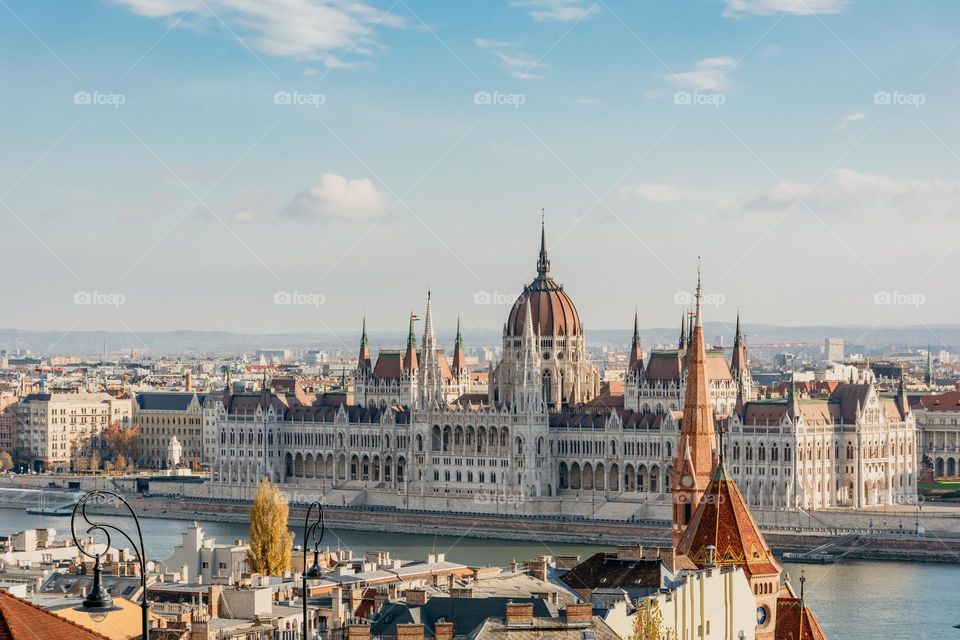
853	600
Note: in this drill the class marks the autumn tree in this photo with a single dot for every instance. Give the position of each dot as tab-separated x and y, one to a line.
122	441
270	541
648	622
95	460
120	462
6	461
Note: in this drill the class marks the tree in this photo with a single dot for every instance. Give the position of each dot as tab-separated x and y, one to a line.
6	461
120	462
120	441
270	541
95	460
648	621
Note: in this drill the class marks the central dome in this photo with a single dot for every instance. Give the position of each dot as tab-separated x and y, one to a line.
552	309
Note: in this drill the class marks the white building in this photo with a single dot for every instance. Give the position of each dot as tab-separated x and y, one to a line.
938	419
52	426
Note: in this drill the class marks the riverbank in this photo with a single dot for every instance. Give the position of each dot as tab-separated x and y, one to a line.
865	546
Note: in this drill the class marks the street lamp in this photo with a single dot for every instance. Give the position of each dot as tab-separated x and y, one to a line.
314	572
98	603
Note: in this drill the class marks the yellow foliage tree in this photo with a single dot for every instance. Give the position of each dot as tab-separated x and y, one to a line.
270	540
648	622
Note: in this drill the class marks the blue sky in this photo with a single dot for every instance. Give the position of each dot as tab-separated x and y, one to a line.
194	158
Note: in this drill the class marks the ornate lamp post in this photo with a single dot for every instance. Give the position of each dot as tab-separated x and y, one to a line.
314	572
98	603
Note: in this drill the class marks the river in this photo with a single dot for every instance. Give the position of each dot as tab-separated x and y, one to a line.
853	600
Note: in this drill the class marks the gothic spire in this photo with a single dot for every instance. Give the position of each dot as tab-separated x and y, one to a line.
636	351
697	430
543	262
683	329
459	358
410	357
363	360
738	360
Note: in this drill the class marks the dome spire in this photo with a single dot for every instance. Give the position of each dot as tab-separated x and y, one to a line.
543	262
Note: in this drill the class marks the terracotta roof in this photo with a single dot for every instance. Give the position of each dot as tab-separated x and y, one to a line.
949	401
552	309
20	620
796	622
723	520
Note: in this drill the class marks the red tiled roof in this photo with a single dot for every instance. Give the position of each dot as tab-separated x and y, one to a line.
21	620
949	401
796	622
723	520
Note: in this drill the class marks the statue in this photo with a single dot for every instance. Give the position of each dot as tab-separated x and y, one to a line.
174	453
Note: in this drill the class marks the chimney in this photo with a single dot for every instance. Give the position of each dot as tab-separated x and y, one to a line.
443	631
358	631
409	632
213	605
519	613
578	613
416	596
188	380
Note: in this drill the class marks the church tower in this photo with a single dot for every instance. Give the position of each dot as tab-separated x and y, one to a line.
363	360
430	385
636	350
738	364
696	451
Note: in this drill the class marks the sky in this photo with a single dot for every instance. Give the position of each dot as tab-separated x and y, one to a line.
291	165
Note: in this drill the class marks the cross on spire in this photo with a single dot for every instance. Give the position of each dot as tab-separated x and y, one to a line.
543	262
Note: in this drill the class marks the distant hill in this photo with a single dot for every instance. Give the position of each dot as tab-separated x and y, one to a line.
184	342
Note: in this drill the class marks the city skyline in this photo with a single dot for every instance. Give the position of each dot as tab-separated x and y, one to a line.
184	163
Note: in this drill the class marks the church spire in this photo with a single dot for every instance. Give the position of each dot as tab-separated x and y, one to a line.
695	459
530	396
543	262
363	360
636	351
459	358
410	357
683	330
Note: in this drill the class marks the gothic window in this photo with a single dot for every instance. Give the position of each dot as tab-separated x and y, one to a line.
749	454
761	452
774	453
849	451
786	453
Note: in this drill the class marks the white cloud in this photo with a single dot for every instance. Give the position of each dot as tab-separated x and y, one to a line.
709	74
659	193
520	65
850	192
558	10
587	101
321	30
337	197
793	7
851	117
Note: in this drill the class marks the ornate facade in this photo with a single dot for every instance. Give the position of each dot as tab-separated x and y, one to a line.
412	422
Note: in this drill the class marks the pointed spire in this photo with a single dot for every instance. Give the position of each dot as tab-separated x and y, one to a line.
410	357
429	340
793	403
738	360
636	351
363	360
459	358
543	262
683	330
697	429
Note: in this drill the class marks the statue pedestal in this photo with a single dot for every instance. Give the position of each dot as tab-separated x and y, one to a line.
177	472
